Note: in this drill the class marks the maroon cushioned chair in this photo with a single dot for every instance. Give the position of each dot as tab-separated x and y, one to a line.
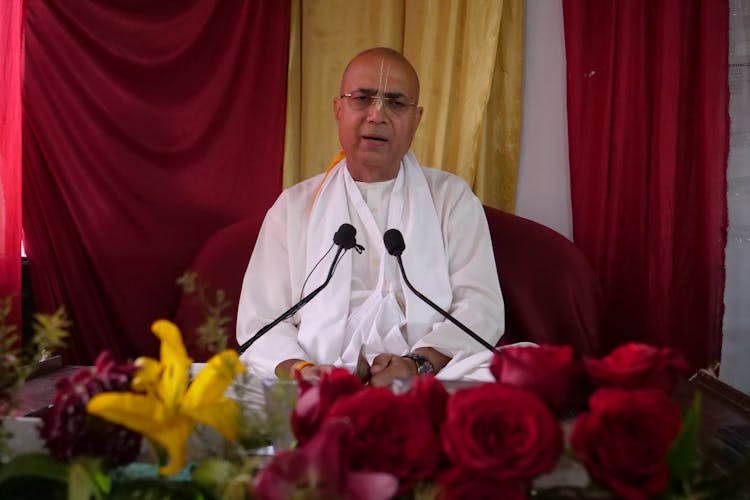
220	264
551	293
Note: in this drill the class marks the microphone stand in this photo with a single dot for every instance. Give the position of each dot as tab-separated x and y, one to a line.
438	309
296	307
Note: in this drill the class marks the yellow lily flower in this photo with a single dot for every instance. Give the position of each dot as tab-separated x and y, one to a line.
164	407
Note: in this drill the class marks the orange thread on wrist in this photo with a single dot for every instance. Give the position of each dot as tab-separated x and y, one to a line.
298	366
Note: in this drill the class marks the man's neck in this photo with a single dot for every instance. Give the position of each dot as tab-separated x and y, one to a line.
369	174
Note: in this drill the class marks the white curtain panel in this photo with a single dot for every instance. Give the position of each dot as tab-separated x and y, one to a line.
543	179
735	368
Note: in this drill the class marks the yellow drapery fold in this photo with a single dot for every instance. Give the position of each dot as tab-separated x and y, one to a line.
468	55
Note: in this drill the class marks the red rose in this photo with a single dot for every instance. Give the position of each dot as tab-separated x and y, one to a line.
318	470
456	484
638	366
547	371
315	401
624	440
501	432
430	393
391	434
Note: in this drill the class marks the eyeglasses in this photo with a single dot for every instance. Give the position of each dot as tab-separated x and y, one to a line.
360	101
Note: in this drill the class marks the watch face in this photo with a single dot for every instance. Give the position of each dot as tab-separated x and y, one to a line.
426	367
423	364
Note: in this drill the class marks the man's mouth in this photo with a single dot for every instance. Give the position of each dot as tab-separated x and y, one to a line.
375	138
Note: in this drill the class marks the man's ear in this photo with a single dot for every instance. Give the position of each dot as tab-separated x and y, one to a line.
419	115
336	107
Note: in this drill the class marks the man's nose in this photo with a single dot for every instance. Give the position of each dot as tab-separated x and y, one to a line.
376	110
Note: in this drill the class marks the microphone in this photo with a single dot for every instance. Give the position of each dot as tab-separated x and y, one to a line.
394	244
345	239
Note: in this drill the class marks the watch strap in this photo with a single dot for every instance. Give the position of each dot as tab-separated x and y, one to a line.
424	366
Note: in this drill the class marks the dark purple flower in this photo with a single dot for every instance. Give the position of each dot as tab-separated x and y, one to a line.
69	431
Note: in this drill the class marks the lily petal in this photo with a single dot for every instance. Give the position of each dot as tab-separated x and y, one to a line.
223	415
175	442
147	376
175	363
148	416
138	412
172	347
212	381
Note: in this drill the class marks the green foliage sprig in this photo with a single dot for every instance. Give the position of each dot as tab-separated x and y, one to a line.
212	333
50	331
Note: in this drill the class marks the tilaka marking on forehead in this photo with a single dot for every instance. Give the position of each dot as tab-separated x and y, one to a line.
382	82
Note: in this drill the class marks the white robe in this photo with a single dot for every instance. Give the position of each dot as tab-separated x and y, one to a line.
448	258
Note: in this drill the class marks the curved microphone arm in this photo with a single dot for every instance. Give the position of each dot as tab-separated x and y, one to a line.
296	307
447	316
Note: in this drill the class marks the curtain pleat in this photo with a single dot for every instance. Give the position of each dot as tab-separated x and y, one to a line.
468	56
331	33
147	127
648	135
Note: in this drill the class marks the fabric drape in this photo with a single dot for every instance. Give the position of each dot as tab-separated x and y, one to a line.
11	68
468	55
648	131
325	34
147	127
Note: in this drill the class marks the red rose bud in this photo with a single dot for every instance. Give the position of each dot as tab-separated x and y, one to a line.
314	403
547	371
638	366
391	434
623	441
501	433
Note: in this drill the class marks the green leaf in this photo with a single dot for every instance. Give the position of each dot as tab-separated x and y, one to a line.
38	465
682	456
87	479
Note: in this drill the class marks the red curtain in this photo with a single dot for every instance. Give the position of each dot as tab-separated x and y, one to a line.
148	126
649	132
11	68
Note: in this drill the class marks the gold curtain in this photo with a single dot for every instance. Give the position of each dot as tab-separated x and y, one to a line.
468	55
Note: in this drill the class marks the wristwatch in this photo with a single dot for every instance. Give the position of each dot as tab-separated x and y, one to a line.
423	364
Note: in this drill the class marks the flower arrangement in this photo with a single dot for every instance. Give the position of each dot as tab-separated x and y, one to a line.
502	439
549	426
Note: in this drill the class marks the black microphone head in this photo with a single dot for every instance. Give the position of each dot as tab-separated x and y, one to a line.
345	236
394	242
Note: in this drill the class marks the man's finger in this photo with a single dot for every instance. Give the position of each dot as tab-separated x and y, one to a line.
380	363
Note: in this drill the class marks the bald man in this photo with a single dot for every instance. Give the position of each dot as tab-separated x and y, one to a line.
377	185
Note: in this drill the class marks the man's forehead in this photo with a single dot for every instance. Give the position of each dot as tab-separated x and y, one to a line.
379	74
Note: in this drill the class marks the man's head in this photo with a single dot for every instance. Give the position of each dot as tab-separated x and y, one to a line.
377	113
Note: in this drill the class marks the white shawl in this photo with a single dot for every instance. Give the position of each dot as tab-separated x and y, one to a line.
329	332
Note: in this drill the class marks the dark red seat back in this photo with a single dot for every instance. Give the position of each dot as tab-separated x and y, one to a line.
220	264
551	293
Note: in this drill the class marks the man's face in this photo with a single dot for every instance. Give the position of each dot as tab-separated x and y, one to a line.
376	138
